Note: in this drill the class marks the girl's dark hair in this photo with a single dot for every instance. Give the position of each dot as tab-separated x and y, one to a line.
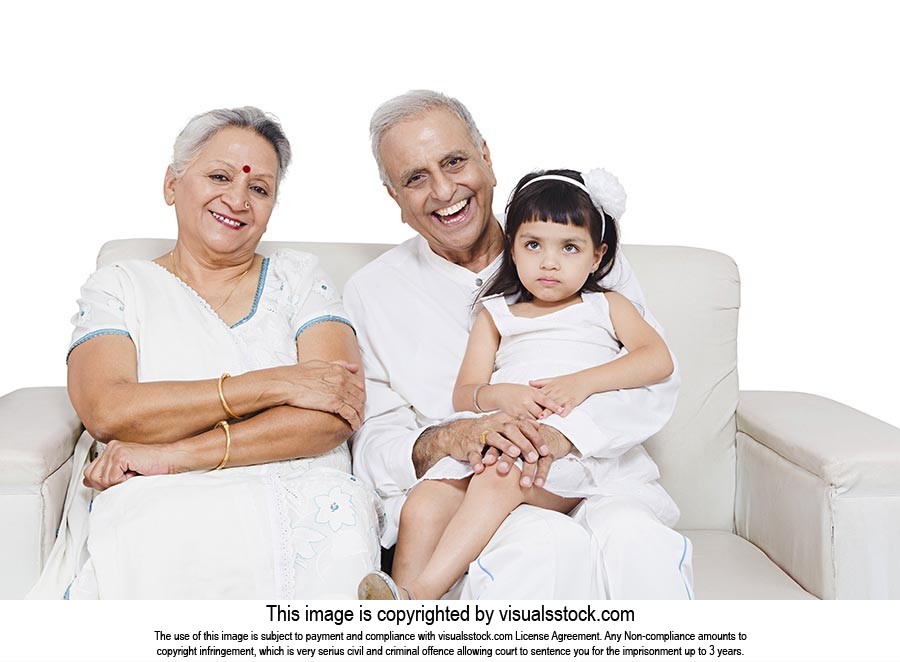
559	202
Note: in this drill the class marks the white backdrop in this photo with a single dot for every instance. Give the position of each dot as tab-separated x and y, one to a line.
769	132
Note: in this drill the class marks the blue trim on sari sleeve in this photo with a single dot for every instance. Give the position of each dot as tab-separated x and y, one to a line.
94	334
324	318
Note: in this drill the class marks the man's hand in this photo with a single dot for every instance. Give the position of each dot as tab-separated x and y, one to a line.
465	440
533	473
506	440
559	446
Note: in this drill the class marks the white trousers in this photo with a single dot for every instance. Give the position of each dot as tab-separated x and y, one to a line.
607	548
640	557
535	554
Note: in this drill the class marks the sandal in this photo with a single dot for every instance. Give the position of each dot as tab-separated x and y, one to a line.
378	585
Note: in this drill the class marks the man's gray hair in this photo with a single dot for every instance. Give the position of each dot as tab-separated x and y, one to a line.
204	126
407	106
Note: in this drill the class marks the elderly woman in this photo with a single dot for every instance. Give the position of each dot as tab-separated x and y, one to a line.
224	386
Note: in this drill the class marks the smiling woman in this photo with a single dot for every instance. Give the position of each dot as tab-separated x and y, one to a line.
209	485
223	200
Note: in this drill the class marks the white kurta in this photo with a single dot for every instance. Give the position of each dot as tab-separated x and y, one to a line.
413	311
301	528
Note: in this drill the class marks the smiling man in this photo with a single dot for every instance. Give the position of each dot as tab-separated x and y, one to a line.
413	309
444	185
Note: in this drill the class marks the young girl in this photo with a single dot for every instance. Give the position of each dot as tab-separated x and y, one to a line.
549	316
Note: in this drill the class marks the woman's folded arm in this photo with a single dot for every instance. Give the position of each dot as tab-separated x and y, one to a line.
104	390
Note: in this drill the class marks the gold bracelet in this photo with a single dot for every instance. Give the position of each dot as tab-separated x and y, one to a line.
225	406
224	425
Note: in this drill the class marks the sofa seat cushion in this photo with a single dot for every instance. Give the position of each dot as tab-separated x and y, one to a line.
727	567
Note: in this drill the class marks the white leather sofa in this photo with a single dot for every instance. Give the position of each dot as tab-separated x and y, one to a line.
784	495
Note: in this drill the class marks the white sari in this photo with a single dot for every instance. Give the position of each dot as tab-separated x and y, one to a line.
301	528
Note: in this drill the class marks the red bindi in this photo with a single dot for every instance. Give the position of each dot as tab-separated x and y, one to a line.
246	168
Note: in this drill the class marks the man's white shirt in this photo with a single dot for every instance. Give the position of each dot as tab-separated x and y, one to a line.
413	310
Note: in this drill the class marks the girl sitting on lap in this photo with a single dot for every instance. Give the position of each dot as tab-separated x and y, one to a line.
545	313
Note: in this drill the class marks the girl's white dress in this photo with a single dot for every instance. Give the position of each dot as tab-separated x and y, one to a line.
572	339
300	528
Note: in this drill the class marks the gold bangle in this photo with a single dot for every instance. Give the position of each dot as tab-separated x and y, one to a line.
224	425
225	406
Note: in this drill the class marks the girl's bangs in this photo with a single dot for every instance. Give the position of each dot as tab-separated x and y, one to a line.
557	202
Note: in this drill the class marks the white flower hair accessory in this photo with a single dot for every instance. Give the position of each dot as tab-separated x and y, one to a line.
606	192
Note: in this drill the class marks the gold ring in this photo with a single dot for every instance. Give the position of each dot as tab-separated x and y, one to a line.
484	437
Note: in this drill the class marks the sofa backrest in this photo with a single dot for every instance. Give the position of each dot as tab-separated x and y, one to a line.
695	294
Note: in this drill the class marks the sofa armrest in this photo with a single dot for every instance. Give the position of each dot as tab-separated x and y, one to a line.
38	431
818	490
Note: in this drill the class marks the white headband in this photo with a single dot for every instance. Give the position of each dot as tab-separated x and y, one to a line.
559	178
603	188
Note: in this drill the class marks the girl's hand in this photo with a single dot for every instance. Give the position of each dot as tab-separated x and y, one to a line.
568	390
517	400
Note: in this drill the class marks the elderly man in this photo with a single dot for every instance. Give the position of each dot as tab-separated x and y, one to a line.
413	308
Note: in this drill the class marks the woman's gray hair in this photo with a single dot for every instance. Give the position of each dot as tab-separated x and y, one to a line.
204	126
409	105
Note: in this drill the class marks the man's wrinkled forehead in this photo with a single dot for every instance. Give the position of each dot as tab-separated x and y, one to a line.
434	135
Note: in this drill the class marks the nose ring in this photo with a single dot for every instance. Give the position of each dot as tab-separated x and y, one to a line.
246	205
